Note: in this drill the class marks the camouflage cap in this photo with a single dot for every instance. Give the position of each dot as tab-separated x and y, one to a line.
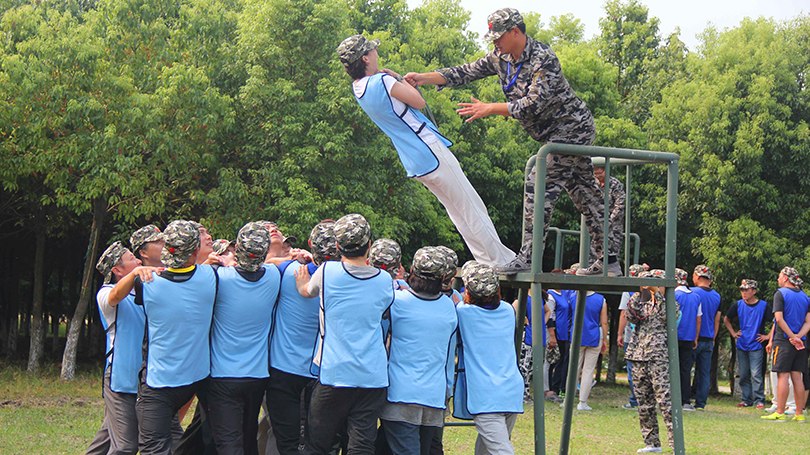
680	277
354	47
429	263
385	254
109	258
352	233
480	280
704	271
452	264
450	254
792	276
290	240
144	235
636	269
221	245
252	243
182	238
502	21
322	242
654	273
749	284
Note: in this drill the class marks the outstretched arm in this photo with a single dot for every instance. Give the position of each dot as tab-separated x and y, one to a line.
123	287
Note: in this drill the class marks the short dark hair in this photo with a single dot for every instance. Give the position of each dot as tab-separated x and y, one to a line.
357	69
492	301
522	27
355	254
424	286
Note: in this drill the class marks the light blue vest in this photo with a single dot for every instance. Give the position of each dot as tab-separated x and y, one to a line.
796	304
687	325
750	318
178	324
414	153
422	341
295	329
352	351
494	383
242	319
590	326
125	358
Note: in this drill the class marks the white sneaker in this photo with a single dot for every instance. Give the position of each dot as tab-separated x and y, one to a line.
582	406
688	407
650	449
597	267
790	411
514	266
771	410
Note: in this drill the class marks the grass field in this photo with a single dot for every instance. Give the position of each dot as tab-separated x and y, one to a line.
47	416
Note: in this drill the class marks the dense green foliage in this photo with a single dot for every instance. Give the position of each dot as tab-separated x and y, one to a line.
228	111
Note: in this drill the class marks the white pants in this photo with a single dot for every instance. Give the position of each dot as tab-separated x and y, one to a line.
791	402
465	208
587	364
494	433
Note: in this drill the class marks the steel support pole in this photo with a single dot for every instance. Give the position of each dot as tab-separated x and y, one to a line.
538	245
627	223
538	359
605	221
672	310
520	316
571	380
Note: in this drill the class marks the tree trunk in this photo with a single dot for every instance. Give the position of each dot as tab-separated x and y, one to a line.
13	302
56	312
37	346
71	344
613	347
732	372
715	354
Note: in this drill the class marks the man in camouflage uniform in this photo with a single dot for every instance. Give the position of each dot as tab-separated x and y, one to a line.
617	203
540	98
647	350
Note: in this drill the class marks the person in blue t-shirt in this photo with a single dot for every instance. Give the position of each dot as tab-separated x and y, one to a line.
393	105
688	324
702	279
752	315
791	311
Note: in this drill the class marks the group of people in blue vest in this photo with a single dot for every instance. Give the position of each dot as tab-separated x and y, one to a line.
332	341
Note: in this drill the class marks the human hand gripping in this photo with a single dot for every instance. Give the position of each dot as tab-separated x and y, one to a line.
302	278
145	272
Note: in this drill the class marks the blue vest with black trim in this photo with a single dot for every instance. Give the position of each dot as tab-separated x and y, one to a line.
414	153
352	350
795	310
421	343
687	324
562	312
295	329
710	301
243	315
178	324
494	383
750	318
125	354
591	322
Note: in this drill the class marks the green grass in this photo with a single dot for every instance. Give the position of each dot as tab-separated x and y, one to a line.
44	415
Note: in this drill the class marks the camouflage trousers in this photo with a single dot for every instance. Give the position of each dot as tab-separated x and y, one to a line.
651	386
615	239
574	174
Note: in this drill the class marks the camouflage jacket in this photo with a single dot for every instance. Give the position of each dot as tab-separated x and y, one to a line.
617	198
649	341
540	98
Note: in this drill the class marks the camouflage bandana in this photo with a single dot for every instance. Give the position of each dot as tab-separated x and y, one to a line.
654	273
502	21
109	258
290	240
221	245
704	271
322	242
792	276
636	269
452	264
144	235
680	277
479	280
429	263
748	284
252	243
352	233
182	238
354	47
385	254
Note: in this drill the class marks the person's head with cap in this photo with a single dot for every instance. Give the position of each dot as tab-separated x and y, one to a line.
206	242
226	250
702	276
322	243
146	244
748	288
636	269
481	285
654	273
182	245
385	254
507	31
287	244
681	276
352	235
789	277
252	243
116	262
452	265
428	268
359	56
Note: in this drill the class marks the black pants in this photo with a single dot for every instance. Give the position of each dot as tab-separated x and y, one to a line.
198	439
333	408
233	409
559	371
156	407
285	395
686	358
